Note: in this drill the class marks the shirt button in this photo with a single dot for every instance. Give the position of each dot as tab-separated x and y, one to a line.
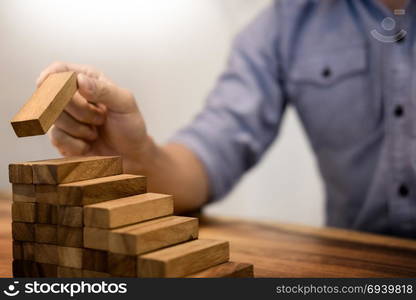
398	111
326	72
403	190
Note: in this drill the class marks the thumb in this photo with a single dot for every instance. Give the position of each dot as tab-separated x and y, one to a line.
101	91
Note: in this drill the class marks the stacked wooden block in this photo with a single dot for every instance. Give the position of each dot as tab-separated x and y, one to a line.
82	217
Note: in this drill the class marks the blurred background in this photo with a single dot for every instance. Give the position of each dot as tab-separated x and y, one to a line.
169	53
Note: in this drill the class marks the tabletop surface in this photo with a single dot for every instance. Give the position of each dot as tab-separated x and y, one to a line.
282	250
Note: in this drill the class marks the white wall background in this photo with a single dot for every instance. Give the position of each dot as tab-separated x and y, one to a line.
169	53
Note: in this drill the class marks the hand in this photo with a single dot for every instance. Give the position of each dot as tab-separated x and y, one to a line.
101	119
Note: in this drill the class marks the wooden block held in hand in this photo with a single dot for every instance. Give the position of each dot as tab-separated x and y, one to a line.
46	104
96	238
70	257
65	272
46	233
23	231
152	235
70	236
129	210
24	212
226	270
46	213
101	189
46	253
121	265
23	192
70	216
183	259
73	169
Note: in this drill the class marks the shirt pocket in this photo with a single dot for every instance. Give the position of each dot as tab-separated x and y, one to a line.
334	96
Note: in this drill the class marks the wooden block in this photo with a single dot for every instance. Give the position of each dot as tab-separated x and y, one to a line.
46	233
101	189
70	236
129	210
70	216
45	270
120	265
17	250
46	253
45	105
74	169
64	170
152	235
21	173
65	272
96	238
23	192
23	231
47	194
46	213
23	268
93	274
226	270
70	257
28	251
95	260
183	259
24	212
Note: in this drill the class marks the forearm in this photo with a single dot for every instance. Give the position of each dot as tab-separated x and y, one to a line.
173	169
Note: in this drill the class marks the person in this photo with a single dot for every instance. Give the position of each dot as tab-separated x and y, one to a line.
345	66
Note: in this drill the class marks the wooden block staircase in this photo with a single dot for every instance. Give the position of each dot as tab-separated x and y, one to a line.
82	217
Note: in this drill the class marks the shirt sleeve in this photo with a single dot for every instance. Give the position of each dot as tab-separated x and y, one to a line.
242	114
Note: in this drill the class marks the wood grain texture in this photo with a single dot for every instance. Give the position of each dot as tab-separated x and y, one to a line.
101	189
46	233
183	259
70	257
70	236
23	268
46	213
23	251
95	260
70	216
282	250
129	210
226	270
152	235
121	265
65	272
45	105
23	193
96	238
17	250
94	274
23	231
46	253
47	194
24	212
73	169
21	173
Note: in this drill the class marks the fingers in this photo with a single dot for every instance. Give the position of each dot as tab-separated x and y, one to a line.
101	91
66	144
57	67
76	129
85	112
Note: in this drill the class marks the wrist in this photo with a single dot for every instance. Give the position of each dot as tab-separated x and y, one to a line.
142	160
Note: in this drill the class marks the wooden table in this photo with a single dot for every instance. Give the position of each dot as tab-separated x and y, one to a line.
280	250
